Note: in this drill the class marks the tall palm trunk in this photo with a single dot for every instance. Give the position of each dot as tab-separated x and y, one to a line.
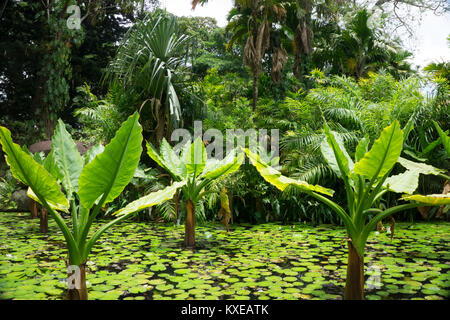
255	91
160	125
303	38
80	291
189	227
48	123
354	286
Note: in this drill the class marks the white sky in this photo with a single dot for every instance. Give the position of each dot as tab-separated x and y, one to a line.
428	45
431	40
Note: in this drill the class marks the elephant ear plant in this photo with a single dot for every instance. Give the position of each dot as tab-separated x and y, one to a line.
88	183
196	172
365	183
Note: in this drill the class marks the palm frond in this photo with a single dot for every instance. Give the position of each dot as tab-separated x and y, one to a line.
167	209
147	60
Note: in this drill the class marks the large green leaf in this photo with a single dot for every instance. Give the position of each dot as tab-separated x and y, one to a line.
107	175
67	158
444	138
147	201
28	171
52	205
216	168
154	155
50	165
406	182
419	167
171	160
150	200
333	150
275	178
431	199
196	158
361	148
384	153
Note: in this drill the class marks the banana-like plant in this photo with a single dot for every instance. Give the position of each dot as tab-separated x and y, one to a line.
89	183
365	183
196	172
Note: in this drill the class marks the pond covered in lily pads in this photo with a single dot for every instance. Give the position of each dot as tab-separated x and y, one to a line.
267	261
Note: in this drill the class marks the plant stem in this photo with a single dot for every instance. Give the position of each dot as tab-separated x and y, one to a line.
354	286
79	292
189	236
43	221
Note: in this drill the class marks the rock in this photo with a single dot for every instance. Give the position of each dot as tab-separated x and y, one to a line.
46	146
21	199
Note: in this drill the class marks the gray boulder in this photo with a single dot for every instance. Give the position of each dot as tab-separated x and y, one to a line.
21	199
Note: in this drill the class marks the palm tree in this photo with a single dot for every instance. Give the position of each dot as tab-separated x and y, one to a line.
308	21
354	110
251	20
147	61
360	47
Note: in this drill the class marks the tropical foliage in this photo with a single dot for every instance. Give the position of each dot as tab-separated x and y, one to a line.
89	184
196	172
329	84
366	178
147	63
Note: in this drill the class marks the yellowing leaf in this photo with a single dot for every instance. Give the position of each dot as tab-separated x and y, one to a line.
150	200
275	178
432	199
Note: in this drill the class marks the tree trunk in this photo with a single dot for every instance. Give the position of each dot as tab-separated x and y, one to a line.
230	197
49	125
354	286
189	236
43	224
77	289
176	199
255	91
303	39
159	130
33	208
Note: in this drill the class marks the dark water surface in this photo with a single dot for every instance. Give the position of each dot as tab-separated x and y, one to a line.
267	261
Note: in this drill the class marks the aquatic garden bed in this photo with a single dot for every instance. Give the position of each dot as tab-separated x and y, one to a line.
267	261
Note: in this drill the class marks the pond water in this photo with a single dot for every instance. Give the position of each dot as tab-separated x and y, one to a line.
266	261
